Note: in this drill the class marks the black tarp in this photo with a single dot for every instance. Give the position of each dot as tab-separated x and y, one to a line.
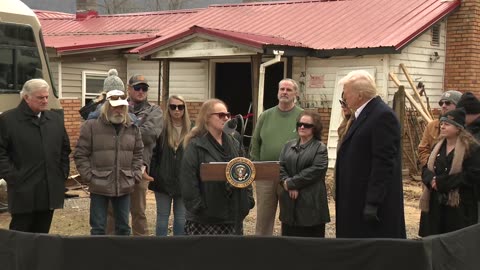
23	251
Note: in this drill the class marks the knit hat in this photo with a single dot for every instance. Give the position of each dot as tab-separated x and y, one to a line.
452	96
470	103
455	117
113	82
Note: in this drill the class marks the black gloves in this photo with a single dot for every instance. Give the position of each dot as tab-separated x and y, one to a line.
370	214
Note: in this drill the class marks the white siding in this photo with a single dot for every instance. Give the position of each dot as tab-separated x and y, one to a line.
188	79
328	68
72	74
416	58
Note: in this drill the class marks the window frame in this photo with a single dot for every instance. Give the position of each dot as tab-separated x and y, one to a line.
85	75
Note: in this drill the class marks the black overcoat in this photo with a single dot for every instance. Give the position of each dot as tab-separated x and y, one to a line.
368	171
33	159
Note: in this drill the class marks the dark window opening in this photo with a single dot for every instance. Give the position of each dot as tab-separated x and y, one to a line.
436	35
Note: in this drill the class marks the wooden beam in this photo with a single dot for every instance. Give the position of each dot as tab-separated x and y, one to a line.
411	99
256	60
414	88
165	83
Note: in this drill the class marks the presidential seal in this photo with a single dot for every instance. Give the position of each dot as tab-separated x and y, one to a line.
240	172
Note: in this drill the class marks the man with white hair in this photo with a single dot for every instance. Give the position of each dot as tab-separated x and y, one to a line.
369	192
108	155
34	149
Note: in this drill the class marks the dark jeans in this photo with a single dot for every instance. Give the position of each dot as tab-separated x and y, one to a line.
301	231
98	214
35	222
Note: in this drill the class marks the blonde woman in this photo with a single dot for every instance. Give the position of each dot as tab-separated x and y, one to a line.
165	167
213	207
451	172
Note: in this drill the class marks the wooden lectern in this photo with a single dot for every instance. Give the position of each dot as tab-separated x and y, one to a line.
268	170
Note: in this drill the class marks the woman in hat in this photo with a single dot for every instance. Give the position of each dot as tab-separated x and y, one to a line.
165	166
303	165
449	202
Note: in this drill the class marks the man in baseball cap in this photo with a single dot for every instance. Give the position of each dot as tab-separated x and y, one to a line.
117	98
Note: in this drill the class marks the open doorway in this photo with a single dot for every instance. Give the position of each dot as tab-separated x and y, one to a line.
233	85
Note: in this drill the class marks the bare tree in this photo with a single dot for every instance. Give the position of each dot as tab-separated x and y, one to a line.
166	4
118	6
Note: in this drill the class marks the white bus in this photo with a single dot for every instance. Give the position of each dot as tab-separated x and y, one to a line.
22	54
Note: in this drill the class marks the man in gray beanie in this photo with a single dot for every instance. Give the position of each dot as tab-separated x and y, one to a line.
447	102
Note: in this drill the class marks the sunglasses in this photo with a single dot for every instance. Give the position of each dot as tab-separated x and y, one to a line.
117	97
173	107
223	114
343	103
446	102
305	125
139	87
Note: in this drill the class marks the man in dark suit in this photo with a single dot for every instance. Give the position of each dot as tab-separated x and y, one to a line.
369	192
34	149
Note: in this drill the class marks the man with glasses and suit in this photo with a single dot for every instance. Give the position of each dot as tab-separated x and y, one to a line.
150	121
448	102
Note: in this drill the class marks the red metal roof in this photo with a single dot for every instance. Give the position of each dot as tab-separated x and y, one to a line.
320	25
63	32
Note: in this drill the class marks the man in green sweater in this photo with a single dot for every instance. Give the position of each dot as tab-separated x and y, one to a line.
274	128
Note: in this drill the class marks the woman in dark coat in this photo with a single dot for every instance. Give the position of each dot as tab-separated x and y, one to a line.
452	170
213	207
165	167
303	201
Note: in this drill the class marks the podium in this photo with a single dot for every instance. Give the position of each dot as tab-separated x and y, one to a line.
264	171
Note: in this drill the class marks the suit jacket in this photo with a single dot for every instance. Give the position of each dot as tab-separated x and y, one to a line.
368	171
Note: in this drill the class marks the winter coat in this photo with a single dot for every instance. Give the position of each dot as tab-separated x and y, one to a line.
368	173
442	218
33	159
474	129
212	202
429	138
303	167
165	167
150	122
110	162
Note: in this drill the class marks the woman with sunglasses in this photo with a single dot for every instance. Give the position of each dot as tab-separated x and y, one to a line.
213	207
303	165
448	203
165	167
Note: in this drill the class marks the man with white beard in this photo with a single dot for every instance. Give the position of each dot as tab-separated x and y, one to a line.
109	156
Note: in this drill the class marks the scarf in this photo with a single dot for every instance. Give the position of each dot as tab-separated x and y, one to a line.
453	195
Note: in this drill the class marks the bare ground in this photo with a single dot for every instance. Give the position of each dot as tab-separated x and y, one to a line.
73	219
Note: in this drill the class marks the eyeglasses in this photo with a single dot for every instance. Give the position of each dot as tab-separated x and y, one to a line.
173	107
139	87
223	114
305	125
343	103
446	102
117	97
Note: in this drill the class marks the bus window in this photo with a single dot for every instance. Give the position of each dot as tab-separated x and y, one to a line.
19	57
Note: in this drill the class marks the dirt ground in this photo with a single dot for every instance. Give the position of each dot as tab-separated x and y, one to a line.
73	219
